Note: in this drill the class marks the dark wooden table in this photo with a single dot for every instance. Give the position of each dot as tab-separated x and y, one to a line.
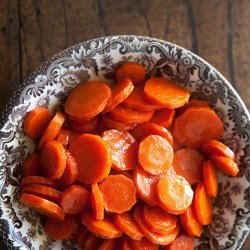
31	31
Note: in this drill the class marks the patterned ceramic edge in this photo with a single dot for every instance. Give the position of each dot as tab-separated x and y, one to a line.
48	85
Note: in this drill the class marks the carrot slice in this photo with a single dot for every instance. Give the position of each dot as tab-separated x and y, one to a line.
31	165
74	199
225	165
148	128
155	154
42	206
210	179
119	193
158	220
177	145
142	244
192	103
197	126
108	244
73	135
58	230
163	117
146	185
203	205
87	100
93	158
123	147
127	224
120	92
128	115
52	130
103	228
134	71
81	235
29	180
97	202
53	160
125	245
188	163
184	242
42	191
63	137
36	122
214	147
163	92
190	222
155	238
89	241
85	127
76	224
174	193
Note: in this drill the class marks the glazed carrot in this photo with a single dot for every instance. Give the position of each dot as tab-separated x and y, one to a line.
93	158
119	193
108	244
203	205
134	71
165	93
158	220
127	225
146	185
142	244
36	122
148	128
120	92
225	165
214	147
29	180
163	117
73	135
89	241
81	235
155	154
103	228
174	194
192	103
190	222
42	206
86	126
74	199
210	179
31	165
123	147
52	130
196	126
125	245
87	100
97	202
63	137
177	145
188	163
53	160
76	224
58	230
184	242
42	191
155	238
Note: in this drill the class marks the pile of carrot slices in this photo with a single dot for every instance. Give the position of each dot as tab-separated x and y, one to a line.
133	166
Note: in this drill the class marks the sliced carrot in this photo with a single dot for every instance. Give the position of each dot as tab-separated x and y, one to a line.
163	92
63	137
74	199
31	165
97	202
225	165
73	135
182	242
108	244
128	115
127	224
36	122
214	147
155	238
163	117
58	230
42	206
87	100
158	220
177	145
120	92
52	130
196	126
29	180
132	70
146	185
148	128
155	154
190	222
119	193
123	148
192	103
174	194
125	245
203	205
53	160
86	126
93	158
103	228
81	235
76	224
210	179
89	241
142	244
188	163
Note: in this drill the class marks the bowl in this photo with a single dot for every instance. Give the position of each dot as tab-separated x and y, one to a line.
48	86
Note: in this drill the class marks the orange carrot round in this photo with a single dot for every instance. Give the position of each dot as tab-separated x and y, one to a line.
97	202
29	180
125	245
192	103
63	137
89	241
163	117
108	244
86	126
184	242
31	165
210	179
144	243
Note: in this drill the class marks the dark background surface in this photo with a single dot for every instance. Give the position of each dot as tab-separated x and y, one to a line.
31	31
